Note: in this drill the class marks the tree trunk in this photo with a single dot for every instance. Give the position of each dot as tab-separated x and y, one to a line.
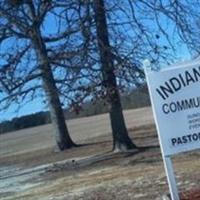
62	136
121	140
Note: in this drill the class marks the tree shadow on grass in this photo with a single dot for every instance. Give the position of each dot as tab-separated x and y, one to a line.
94	143
108	158
110	155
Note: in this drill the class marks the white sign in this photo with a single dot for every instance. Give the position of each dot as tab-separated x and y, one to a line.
175	98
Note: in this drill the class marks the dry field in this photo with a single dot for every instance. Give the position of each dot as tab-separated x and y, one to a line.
30	169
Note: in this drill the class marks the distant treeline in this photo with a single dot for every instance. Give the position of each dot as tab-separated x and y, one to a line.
26	121
135	99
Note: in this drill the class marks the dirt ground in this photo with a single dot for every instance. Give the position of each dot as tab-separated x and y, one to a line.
31	169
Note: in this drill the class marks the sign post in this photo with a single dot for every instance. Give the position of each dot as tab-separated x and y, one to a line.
176	108
171	178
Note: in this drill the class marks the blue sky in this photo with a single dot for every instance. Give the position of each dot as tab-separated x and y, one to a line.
13	111
50	27
37	105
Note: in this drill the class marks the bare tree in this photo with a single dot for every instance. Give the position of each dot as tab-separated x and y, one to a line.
121	140
127	32
27	61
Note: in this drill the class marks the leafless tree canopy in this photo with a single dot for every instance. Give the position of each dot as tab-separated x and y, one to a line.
137	30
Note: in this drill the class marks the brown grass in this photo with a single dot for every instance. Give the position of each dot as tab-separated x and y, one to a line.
92	172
